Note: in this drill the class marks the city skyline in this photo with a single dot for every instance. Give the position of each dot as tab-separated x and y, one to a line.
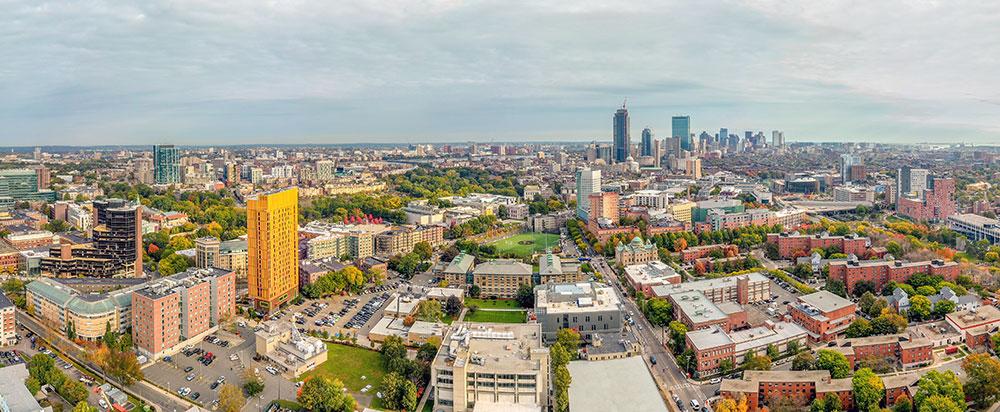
451	72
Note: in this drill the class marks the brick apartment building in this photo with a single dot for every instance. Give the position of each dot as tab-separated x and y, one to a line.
761	388
822	314
172	310
714	344
878	273
936	204
794	245
977	325
902	349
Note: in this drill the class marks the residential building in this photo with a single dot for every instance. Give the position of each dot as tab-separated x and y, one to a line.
491	367
853	194
185	307
791	245
911	181
934	205
587	182
898	349
587	307
653	199
880	272
8	322
166	165
272	239
743	289
636	252
206	252
400	240
604	207
822	314
713	345
976	326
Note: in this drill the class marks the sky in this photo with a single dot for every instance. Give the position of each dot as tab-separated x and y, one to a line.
91	72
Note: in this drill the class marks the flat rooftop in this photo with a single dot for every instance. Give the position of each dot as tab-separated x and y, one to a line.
618	385
575	297
825	301
698	308
491	347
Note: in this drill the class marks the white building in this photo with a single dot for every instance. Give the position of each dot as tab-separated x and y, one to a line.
587	182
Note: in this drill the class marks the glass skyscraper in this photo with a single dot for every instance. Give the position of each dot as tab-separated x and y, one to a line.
166	165
621	138
647	142
681	126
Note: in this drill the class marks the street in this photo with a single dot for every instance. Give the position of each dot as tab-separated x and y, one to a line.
665	372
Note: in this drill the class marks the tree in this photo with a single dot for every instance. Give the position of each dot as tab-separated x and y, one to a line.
392	348
828	403
569	339
83	406
423	249
678	331
725	405
894	249
561	382
944	307
231	398
252	384
526	296
859	328
803	361
32	384
902	404
772	351
836	287
680	245
936	383
758	363
323	394
983	372
453	306
429	311
866	301
398	392
474	291
659	311
938	403
868	389
833	361
726	366
175	263
920	307
792	348
996	342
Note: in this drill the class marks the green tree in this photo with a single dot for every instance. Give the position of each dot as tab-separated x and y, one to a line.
833	361
758	363
83	406
252	384
935	383
792	348
231	398
902	404
453	306
938	403
996	342
944	307
322	394
772	351
427	351
172	264
920	307
570	340
803	361
868	389
726	366
983	372
392	348
859	328
866	301
429	311
836	287
32	384
526	296
659	311
678	331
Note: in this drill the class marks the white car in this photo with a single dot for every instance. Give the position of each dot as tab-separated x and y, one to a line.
104	405
714	381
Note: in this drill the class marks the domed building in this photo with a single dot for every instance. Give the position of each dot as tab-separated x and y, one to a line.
635	252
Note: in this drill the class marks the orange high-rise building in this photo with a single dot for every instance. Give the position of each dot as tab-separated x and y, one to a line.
272	244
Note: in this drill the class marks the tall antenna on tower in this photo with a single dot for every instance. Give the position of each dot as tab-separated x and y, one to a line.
624	102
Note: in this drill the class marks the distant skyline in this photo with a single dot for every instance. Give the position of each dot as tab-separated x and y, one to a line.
234	72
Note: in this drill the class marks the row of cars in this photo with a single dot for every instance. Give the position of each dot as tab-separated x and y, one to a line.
216	340
367	311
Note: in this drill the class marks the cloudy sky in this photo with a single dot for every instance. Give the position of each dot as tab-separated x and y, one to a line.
225	71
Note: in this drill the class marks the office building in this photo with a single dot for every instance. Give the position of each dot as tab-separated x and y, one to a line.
853	194
272	239
846	161
621	135
645	277
8	322
115	248
975	227
281	343
495	367
589	308
777	138
681	128
713	345
326	170
822	314
587	182
500	278
647	143
166	165
934	204
20	185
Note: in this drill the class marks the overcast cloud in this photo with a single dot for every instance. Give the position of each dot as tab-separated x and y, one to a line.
196	72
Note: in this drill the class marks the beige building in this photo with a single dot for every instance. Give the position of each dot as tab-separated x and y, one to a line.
282	344
400	240
636	252
58	305
501	277
495	367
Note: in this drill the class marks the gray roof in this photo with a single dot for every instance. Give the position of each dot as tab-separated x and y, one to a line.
233	245
4	301
617	385
15	394
461	264
825	301
549	264
503	267
711	337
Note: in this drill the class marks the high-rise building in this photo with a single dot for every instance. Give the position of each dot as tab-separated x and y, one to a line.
911	181
166	164
647	143
587	181
143	170
325	170
18	185
777	138
723	136
272	238
846	161
621	137
681	127
114	250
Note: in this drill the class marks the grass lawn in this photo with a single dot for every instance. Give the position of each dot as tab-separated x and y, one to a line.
496	317
349	364
525	244
493	303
